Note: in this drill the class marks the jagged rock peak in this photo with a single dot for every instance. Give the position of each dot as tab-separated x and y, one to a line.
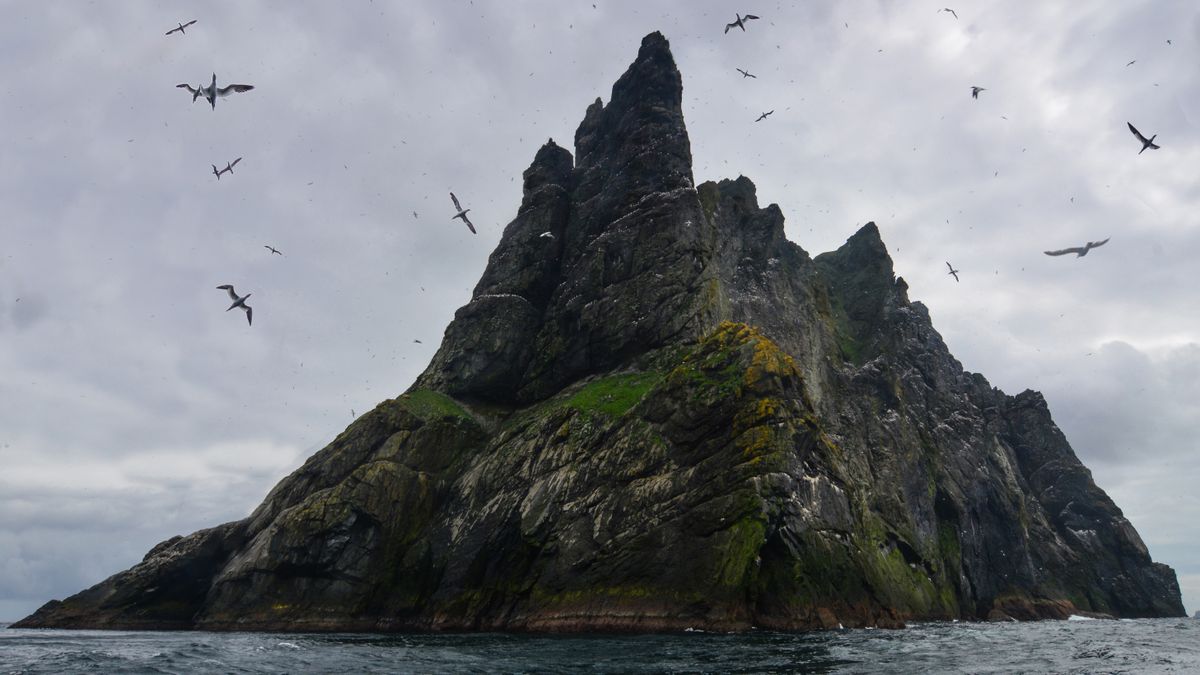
551	166
643	117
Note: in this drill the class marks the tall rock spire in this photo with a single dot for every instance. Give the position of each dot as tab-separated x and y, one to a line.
627	263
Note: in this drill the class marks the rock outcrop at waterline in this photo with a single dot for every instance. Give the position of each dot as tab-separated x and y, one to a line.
665	415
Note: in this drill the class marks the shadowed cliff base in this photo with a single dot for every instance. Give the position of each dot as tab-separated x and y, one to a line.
664	416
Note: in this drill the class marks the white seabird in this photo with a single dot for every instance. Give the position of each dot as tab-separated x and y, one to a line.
211	92
1079	251
462	213
739	22
239	302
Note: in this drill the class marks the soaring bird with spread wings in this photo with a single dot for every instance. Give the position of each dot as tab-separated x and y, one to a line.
1079	251
181	27
239	302
1146	142
462	213
952	271
740	22
212	92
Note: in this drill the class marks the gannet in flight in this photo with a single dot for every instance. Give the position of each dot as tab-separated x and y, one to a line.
211	92
745	74
952	270
947	9
1146	142
763	116
272	249
239	302
739	22
1079	251
462	213
975	91
181	27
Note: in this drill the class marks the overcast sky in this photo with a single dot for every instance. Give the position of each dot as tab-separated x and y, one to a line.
133	407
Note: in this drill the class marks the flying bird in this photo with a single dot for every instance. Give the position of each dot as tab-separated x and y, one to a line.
745	74
272	249
462	213
211	92
181	27
948	265
418	342
1079	251
947	9
1146	142
239	302
763	116
1131	63
975	91
739	22
217	173
229	165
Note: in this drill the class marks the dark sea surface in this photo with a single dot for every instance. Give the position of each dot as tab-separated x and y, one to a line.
1142	646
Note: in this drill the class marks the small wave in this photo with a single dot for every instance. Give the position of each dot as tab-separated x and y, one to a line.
1076	617
289	645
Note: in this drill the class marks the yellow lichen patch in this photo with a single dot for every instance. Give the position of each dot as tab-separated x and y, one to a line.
769	361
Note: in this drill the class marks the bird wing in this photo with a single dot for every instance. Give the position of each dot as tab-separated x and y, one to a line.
227	287
234	88
1097	244
173	30
234	162
1137	133
742	72
249	314
455	200
1063	251
749	16
186	86
950	267
728	26
469	225
189	23
952	12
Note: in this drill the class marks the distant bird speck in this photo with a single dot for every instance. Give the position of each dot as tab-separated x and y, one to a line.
181	27
1146	142
461	213
1131	63
952	271
764	116
546	235
1079	251
745	74
239	302
947	9
418	342
975	91
274	251
740	22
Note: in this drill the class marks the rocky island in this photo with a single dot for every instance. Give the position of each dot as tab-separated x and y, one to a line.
663	415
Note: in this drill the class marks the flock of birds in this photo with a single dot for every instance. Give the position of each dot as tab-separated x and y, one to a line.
211	93
1079	251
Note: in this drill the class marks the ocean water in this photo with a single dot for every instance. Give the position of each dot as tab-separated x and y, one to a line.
1142	646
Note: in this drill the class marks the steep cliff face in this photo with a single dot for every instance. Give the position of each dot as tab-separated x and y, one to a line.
658	413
